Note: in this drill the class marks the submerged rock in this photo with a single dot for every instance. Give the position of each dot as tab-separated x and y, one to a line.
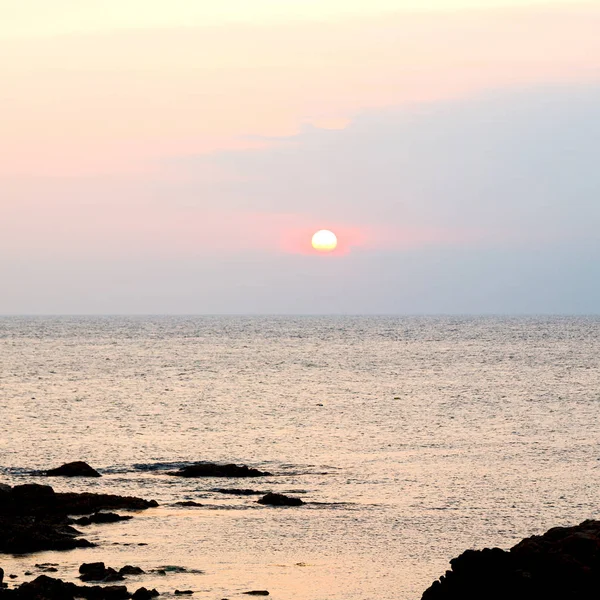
239	492
73	469
188	503
183	592
46	568
215	470
257	593
131	570
279	500
101	517
562	563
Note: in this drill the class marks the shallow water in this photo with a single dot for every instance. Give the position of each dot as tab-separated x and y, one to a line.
411	439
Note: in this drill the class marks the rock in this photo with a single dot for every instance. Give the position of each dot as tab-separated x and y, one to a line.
108	575
86	568
101	517
239	492
188	503
183	592
11	576
562	563
35	499
215	470
98	572
22	535
48	588
257	593
73	469
30	493
87	503
130	570
1	576
279	500
144	594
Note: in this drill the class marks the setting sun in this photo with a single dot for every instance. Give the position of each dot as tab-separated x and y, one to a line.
324	240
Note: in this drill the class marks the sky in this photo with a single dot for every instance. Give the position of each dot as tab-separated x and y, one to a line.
176	157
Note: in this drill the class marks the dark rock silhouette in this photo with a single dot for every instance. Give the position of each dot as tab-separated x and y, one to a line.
98	572
257	593
188	503
73	469
183	592
563	563
131	570
215	470
279	500
239	492
144	594
22	535
101	517
48	588
34	517
34	499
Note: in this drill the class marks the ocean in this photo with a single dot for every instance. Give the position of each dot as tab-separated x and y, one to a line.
410	439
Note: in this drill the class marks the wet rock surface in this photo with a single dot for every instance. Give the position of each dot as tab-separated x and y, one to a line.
34	517
564	563
73	469
273	499
216	470
188	503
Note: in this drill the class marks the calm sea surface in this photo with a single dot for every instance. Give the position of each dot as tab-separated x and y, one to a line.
411	439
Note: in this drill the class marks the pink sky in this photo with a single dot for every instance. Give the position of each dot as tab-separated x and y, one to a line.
117	100
181	131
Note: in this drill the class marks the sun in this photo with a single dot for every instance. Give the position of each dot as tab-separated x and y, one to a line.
324	241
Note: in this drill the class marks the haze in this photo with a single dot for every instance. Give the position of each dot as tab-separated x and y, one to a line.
177	157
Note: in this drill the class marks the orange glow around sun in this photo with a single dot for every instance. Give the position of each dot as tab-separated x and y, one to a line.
324	241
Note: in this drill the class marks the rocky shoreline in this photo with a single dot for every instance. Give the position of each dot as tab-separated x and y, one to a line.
35	518
561	564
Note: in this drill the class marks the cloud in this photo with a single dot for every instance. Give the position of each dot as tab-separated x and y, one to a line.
512	166
115	100
488	204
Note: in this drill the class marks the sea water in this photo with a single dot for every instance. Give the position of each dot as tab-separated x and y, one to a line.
409	438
